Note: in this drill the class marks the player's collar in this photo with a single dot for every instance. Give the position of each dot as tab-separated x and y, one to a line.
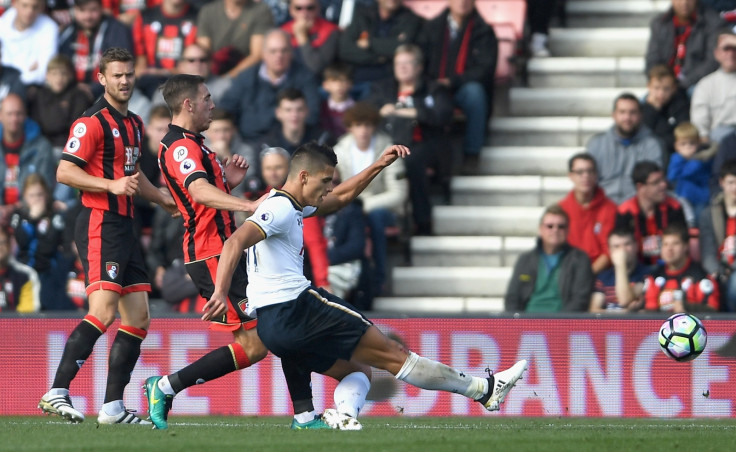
288	196
175	128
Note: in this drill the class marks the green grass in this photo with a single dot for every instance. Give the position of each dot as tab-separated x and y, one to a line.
272	434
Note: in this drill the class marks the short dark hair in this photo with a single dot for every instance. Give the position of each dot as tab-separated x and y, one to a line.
581	156
642	170
83	3
626	96
728	168
290	94
555	209
159	111
180	87
622	231
338	70
660	71
677	229
113	54
361	113
312	157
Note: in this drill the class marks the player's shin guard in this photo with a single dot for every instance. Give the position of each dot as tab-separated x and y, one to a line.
123	355
299	382
213	365
350	393
427	374
77	349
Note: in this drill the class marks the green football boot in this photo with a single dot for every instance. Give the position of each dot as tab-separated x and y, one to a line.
159	403
315	424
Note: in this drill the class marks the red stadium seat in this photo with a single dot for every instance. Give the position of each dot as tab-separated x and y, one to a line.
504	12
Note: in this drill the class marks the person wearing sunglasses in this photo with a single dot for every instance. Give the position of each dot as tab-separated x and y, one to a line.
553	276
314	39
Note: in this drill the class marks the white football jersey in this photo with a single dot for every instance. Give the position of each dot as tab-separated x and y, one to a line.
276	264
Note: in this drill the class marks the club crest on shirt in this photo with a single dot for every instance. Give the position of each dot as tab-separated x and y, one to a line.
112	269
180	153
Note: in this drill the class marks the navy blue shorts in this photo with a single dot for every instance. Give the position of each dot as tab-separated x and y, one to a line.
313	331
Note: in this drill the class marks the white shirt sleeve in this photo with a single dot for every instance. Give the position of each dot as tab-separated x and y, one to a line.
273	216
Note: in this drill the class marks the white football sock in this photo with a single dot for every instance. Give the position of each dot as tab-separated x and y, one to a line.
113	408
305	417
350	394
59	391
427	374
165	385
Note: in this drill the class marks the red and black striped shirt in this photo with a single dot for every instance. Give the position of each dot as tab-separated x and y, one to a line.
184	158
106	144
162	38
648	230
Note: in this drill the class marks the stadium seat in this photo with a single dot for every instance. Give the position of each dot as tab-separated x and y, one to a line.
510	13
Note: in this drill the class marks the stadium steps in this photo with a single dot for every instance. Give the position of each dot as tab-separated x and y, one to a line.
451	281
486	220
598	42
544	131
521	161
468	251
509	190
585	72
439	305
613	13
566	101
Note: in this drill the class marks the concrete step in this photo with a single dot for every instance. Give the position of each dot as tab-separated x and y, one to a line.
546	131
451	281
438	305
508	190
452	251
585	72
566	101
482	220
613	13
599	42
520	160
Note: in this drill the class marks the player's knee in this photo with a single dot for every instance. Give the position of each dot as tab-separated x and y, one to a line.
106	316
252	345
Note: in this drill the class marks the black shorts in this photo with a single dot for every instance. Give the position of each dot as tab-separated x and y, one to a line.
313	331
110	252
203	275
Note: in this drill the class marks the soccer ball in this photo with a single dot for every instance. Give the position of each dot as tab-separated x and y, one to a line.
683	337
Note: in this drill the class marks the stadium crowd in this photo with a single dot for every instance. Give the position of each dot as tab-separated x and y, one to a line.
650	223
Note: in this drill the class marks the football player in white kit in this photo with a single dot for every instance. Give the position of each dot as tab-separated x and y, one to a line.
309	325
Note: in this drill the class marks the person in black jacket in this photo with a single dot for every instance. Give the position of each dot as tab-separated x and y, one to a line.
416	113
461	51
373	36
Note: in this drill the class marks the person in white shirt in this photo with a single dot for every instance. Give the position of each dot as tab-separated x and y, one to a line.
309	325
29	39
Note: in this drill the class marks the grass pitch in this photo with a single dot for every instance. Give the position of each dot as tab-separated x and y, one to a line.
272	434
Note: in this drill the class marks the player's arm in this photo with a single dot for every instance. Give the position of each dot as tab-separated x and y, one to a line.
236	168
247	235
348	190
204	193
70	174
149	192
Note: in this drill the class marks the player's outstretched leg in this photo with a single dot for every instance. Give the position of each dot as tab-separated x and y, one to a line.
159	403
500	384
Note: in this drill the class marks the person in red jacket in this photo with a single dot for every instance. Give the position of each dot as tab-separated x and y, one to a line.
679	284
592	214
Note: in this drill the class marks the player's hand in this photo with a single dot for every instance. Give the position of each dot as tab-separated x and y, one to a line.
168	203
236	168
391	153
126	185
215	306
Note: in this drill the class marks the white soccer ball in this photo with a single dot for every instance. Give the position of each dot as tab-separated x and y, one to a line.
683	337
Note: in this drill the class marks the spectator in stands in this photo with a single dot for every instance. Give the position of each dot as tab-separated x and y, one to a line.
713	106
618	149
91	33
539	13
291	129
649	211
383	200
313	38
461	52
679	284
23	151
28	38
127	11
223	138
369	42
19	290
417	113
160	33
56	104
553	276
690	168
341	12
592	215
666	105
718	236
233	32
726	151
10	81
156	127
683	38
39	233
619	289
337	79
252	97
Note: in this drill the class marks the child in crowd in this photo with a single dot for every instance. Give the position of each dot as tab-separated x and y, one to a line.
338	80
689	169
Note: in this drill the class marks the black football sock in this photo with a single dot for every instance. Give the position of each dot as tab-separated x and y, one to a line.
298	380
124	353
213	365
77	349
